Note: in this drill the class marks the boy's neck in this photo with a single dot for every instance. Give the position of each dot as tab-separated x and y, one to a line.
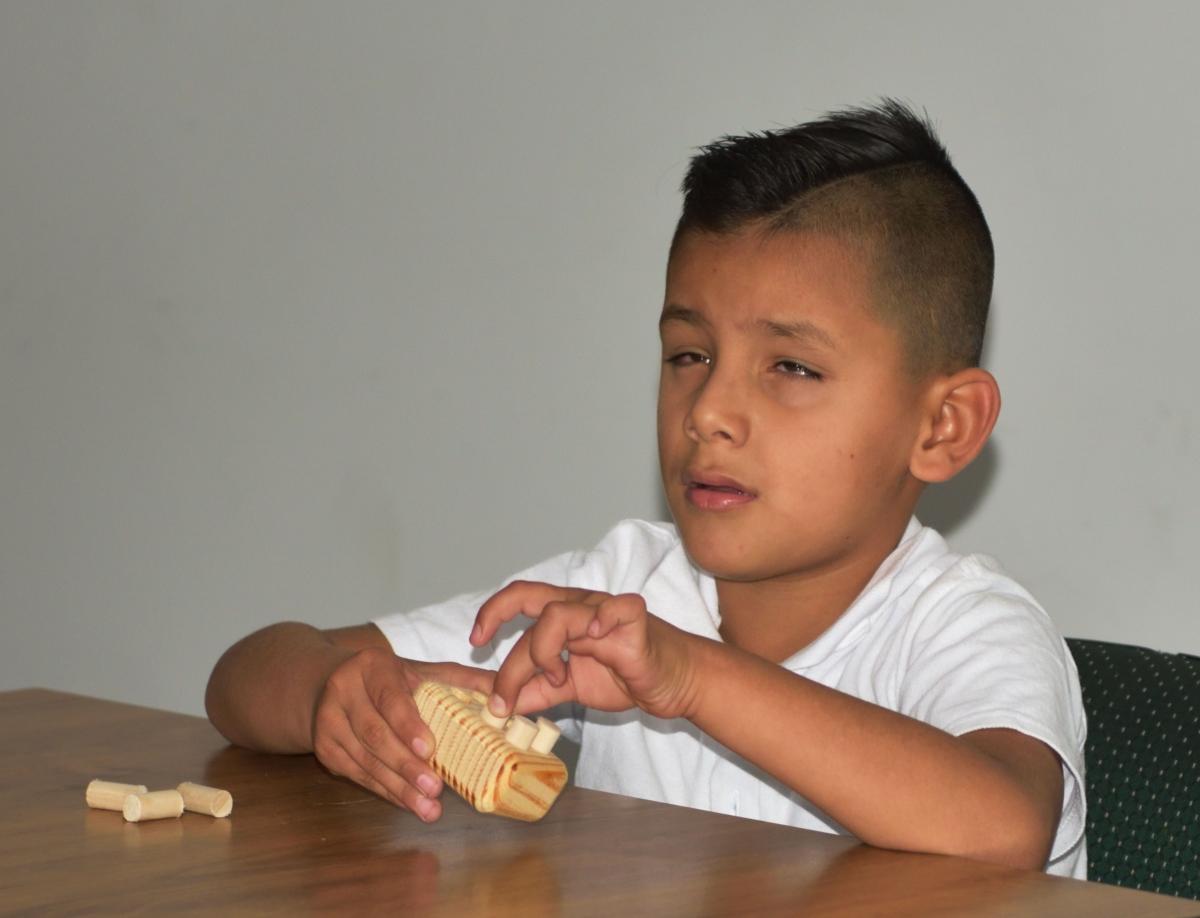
774	619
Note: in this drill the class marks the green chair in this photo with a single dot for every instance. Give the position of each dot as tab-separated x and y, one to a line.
1143	766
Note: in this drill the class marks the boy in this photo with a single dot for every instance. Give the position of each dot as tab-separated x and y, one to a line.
797	648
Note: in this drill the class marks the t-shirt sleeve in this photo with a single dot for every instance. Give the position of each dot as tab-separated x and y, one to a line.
987	657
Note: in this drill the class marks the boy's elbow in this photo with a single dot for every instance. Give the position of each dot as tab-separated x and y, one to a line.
229	695
215	706
1030	854
1024	841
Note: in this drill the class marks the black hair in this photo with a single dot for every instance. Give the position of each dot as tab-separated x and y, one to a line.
877	177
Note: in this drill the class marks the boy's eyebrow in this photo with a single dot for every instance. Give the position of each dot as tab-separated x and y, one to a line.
798	330
671	312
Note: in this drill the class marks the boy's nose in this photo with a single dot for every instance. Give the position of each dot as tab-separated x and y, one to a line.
718	413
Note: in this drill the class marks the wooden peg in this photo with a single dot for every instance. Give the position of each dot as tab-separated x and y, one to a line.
211	801
163	804
520	731
109	795
547	735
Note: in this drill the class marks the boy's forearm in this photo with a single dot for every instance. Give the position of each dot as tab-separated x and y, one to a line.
893	781
263	690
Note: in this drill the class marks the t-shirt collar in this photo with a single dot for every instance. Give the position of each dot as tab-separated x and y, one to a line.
852	624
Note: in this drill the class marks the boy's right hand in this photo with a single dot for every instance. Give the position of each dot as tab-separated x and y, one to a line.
366	726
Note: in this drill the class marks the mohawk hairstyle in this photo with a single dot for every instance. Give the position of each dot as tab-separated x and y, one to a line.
879	179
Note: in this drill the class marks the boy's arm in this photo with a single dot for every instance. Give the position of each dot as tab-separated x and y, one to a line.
263	689
342	694
892	780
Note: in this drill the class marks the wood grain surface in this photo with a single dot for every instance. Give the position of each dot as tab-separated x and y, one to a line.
300	840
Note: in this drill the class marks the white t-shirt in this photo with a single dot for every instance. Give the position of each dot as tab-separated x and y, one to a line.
944	638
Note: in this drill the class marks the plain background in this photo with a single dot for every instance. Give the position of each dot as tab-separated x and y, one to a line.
317	311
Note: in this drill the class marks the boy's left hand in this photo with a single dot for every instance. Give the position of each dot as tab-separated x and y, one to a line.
619	655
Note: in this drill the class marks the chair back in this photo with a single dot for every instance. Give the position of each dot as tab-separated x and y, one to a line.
1143	766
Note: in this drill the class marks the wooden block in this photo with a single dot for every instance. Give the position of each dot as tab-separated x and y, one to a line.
476	760
163	804
211	801
520	731
109	795
547	735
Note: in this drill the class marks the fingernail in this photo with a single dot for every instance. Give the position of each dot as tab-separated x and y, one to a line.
594	627
428	785
496	705
476	633
426	809
420	747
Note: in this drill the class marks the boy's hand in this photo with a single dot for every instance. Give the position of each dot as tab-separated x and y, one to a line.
619	655
366	726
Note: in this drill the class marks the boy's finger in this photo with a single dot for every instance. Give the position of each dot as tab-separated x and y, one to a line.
560	622
538	694
615	611
467	677
376	737
427	809
516	670
400	714
521	597
417	775
375	775
537	657
340	763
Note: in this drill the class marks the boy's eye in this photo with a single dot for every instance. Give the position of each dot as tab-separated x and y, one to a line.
687	359
795	368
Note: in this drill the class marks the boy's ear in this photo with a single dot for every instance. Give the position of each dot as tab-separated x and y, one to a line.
960	412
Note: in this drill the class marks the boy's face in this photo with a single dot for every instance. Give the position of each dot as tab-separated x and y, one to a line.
786	415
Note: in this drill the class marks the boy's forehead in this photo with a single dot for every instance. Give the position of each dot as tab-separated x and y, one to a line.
781	326
757	280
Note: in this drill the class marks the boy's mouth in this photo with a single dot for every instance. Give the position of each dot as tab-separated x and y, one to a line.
709	491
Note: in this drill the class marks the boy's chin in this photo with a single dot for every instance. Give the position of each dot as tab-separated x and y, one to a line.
722	566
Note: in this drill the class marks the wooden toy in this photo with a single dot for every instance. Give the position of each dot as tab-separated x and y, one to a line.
498	765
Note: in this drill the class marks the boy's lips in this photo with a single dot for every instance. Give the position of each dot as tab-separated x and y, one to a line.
714	491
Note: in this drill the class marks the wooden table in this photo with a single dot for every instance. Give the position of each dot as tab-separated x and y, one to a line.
300	840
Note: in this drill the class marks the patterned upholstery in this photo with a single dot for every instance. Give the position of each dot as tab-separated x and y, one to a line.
1143	766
